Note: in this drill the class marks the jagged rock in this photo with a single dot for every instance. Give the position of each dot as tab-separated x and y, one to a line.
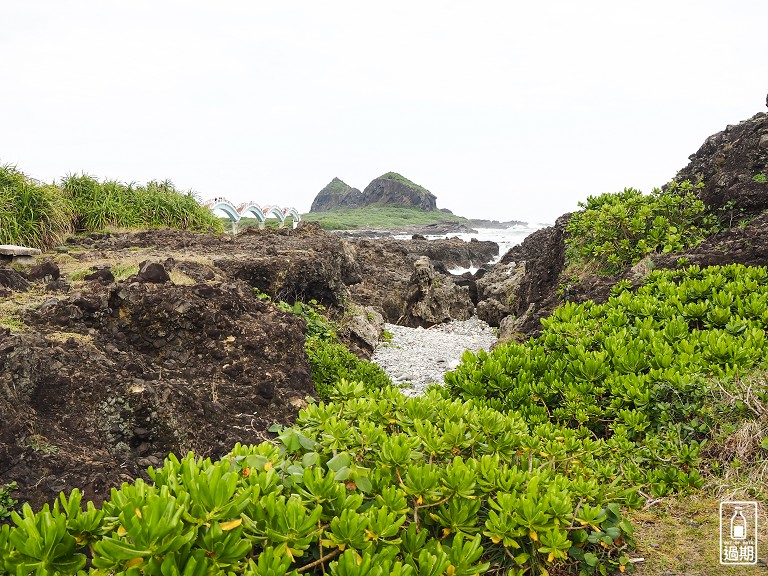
320	272
337	194
153	272
145	369
433	298
498	290
726	163
746	245
392	189
102	274
46	271
363	327
532	295
11	279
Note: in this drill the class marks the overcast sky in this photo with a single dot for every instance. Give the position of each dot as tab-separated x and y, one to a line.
503	109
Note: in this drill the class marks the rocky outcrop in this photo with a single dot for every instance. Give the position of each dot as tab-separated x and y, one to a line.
726	163
361	330
386	266
433	298
524	284
109	380
746	245
392	189
337	194
497	291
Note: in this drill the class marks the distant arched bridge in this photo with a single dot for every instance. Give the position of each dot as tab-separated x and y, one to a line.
261	213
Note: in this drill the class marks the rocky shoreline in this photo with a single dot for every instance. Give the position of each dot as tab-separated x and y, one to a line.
118	349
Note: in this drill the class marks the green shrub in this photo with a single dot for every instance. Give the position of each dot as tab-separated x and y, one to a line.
99	205
329	359
7	503
31	213
635	371
370	483
614	231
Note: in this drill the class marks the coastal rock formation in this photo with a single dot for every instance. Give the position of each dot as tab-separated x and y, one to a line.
361	329
108	381
525	285
497	291
337	194
392	189
105	379
386	266
729	163
433	298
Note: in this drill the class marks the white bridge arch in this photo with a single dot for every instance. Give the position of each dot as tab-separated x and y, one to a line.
261	213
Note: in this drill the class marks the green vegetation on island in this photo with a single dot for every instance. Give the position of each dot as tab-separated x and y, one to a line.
394	176
378	217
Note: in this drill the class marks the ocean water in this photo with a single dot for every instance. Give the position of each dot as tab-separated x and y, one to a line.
504	237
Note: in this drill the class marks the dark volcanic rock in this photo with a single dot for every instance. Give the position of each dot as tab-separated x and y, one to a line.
534	295
106	382
433	298
337	194
9	278
497	291
386	266
727	162
320	271
746	245
102	274
46	271
153	272
392	189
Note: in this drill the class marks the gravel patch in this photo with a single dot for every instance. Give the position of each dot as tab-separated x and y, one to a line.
417	357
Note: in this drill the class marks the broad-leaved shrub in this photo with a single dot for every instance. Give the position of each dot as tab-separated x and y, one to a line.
615	231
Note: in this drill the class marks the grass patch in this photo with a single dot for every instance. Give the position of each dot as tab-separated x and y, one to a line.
32	213
111	204
181	279
681	536
394	176
378	217
42	215
122	271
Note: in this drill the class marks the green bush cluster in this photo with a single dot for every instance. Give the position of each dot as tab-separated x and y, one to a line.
635	371
371	483
42	215
98	205
615	231
31	213
7	503
329	359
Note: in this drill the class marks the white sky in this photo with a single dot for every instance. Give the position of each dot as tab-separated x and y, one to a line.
503	109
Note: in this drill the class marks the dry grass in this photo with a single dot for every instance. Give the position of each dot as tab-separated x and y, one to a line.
736	457
680	536
13	307
181	279
62	337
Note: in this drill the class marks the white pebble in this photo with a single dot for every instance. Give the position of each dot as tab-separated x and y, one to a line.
422	357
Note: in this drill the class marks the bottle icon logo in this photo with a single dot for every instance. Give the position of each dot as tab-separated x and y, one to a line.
738	533
738	525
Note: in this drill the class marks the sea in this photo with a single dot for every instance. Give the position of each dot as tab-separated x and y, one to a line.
504	237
